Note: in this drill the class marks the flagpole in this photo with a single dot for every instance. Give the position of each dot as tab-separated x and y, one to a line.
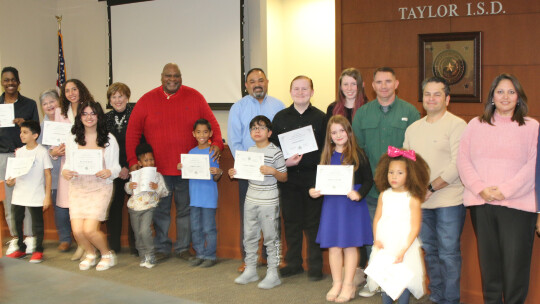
61	69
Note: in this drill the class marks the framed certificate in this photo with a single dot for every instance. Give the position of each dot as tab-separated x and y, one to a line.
334	179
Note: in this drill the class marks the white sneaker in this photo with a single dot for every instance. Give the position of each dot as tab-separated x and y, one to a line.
30	242
366	293
12	246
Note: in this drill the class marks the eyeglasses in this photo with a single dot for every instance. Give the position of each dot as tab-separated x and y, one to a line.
84	114
262	128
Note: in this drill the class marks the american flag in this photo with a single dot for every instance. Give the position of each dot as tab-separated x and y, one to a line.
61	69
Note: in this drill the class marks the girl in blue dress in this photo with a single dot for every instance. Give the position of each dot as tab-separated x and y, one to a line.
345	223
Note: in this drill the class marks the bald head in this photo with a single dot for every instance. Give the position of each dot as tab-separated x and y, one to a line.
171	78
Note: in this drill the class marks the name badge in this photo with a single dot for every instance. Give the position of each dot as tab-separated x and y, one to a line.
404	119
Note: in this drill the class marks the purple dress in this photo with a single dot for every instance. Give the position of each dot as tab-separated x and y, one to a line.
345	223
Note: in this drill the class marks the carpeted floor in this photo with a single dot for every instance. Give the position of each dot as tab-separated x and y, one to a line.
59	280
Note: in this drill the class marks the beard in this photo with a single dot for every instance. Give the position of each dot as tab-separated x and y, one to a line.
258	92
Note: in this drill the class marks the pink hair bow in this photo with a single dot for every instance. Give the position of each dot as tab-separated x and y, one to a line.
395	152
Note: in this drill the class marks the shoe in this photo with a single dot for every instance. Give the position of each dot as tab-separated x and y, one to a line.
249	275
107	261
334	291
143	262
17	254
242	267
30	242
346	295
208	263
89	261
366	293
195	261
12	246
184	255
162	256
79	253
271	279
315	276
64	247
150	261
37	257
288	271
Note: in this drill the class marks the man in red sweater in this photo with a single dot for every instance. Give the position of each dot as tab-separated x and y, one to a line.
165	116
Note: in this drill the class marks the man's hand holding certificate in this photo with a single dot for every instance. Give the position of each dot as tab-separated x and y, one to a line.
55	133
248	165
18	166
299	141
334	179
195	166
87	161
7	115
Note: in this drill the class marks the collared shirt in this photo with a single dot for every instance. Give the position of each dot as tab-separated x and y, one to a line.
241	114
375	130
290	119
25	108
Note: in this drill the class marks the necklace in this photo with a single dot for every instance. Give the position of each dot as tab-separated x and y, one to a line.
119	122
169	95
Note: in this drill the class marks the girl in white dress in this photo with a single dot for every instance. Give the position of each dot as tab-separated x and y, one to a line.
403	178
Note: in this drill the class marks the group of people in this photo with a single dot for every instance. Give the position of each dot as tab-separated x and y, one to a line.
413	179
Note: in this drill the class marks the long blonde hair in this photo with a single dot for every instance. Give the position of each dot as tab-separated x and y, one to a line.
352	154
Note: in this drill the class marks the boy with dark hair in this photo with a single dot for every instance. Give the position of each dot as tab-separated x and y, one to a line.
32	190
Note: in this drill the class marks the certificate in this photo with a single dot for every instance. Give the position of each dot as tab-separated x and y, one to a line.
248	165
393	278
195	166
55	133
18	166
334	179
87	161
299	141
7	115
143	177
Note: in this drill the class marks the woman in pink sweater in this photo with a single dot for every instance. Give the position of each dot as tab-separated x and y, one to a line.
496	163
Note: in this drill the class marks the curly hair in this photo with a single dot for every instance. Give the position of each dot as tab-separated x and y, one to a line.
521	108
78	128
84	95
417	180
352	154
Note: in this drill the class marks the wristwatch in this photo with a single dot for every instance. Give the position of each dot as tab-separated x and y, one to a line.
430	188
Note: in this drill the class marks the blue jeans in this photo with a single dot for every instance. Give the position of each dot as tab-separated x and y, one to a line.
162	216
203	230
403	298
62	221
440	235
372	207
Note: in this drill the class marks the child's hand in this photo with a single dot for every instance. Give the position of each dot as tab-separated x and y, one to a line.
314	193
105	173
354	195
179	166
132	185
46	203
266	170
400	255
377	244
68	174
10	182
153	185
293	160
215	170
232	172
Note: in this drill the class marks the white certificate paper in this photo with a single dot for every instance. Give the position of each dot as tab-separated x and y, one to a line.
18	166
299	141
7	115
87	161
334	179
248	165
392	278
143	177
195	166
55	133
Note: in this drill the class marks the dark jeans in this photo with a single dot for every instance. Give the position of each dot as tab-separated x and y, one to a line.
114	222
37	225
301	213
403	298
505	239
162	216
61	221
441	235
204	232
